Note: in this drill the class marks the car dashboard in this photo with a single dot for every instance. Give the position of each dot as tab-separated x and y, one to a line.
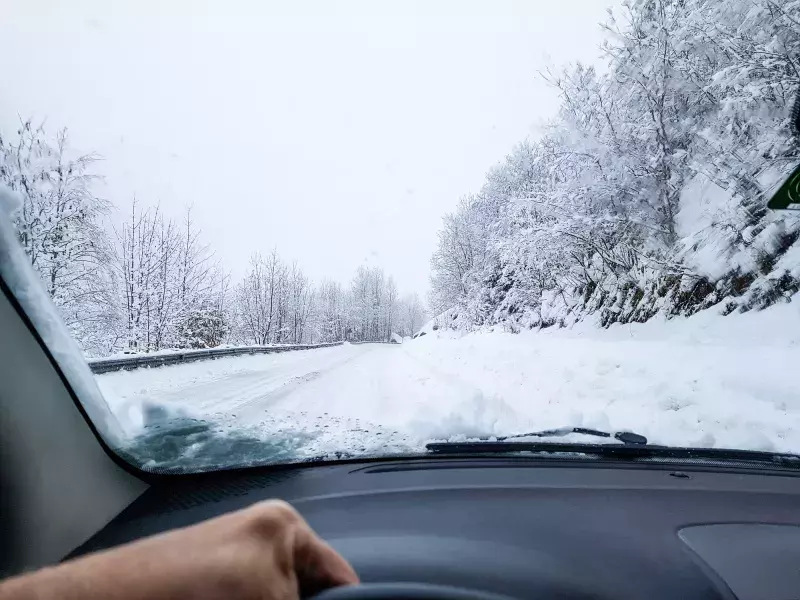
524	528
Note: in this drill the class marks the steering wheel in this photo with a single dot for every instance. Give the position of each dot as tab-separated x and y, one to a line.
404	591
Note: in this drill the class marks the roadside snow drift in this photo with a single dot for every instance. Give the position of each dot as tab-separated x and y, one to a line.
706	381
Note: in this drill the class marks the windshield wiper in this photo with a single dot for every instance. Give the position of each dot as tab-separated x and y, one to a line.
626	437
507	443
620	451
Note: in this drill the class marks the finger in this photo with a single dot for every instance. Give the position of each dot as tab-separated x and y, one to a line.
319	566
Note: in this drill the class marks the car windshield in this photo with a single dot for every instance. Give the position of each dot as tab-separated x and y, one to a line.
291	231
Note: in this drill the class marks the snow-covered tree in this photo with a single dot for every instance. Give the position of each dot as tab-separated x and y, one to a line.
257	298
300	302
60	225
609	210
329	312
411	315
169	283
154	283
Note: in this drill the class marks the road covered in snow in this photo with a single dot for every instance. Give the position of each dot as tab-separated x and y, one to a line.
705	381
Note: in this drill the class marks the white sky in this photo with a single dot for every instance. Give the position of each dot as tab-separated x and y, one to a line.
339	132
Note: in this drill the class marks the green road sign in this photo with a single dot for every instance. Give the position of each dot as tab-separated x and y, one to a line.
788	195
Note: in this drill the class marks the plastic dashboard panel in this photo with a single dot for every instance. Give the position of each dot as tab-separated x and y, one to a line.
521	528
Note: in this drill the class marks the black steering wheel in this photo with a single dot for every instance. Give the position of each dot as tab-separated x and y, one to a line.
404	591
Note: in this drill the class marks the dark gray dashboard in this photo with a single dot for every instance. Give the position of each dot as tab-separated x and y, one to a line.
525	528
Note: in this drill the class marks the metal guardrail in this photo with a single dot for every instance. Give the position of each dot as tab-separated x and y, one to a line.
127	363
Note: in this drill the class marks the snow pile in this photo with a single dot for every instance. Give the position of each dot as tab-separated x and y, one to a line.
441	323
705	381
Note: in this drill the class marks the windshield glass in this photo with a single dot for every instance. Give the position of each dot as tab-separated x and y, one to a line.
282	232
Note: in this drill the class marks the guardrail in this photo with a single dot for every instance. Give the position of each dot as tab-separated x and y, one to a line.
127	363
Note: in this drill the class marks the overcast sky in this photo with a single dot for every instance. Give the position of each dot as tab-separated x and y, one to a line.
338	132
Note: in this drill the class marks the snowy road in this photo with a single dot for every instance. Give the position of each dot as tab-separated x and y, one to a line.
705	388
352	397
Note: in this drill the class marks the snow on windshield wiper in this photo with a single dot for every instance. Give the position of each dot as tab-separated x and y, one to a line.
631	441
621	451
626	437
508	443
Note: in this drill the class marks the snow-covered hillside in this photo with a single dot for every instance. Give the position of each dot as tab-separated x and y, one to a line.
708	381
647	193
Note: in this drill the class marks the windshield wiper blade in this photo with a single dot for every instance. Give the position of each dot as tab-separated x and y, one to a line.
492	447
507	443
626	437
622	451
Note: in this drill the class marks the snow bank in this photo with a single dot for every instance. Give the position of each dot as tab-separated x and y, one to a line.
192	351
703	381
779	325
441	324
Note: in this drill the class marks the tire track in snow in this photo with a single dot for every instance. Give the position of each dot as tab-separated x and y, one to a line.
240	391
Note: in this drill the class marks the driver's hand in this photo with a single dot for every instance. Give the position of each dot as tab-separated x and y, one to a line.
266	551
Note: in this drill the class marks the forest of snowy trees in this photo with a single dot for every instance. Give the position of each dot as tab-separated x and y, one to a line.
153	283
647	193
